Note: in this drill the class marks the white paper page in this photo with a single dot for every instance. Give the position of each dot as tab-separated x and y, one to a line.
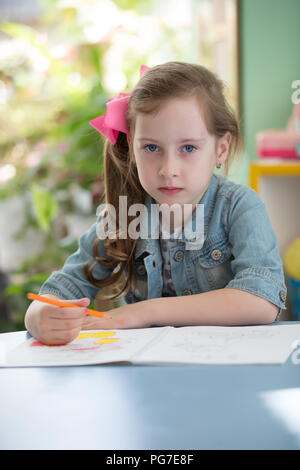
263	344
91	347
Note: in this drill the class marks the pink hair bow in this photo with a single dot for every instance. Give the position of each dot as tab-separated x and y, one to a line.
114	120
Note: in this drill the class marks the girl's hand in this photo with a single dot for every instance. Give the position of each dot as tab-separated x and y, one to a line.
124	317
55	325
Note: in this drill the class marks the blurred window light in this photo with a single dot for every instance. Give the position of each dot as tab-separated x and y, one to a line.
7	172
115	80
60	51
174	13
98	19
6	92
13	53
216	37
74	79
198	31
40	63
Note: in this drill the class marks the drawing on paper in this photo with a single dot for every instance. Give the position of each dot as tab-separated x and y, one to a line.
83	342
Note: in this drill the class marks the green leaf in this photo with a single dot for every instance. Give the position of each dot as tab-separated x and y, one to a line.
45	206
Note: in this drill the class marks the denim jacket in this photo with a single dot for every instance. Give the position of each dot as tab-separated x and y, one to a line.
238	250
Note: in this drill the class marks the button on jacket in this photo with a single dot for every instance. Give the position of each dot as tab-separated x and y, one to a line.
237	249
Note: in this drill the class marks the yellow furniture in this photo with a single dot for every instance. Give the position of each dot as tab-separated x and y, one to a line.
272	167
277	181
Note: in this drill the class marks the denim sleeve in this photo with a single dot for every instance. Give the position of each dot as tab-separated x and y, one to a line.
71	282
257	266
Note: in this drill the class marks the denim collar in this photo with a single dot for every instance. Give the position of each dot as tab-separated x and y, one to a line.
150	233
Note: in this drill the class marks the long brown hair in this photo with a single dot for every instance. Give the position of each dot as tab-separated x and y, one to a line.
158	84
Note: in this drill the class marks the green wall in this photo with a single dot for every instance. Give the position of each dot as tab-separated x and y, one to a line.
270	62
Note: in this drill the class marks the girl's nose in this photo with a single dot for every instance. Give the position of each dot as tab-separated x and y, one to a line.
168	167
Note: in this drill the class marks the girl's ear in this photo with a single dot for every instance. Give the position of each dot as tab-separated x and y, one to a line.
223	146
128	139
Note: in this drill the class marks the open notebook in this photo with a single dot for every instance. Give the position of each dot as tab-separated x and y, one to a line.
264	344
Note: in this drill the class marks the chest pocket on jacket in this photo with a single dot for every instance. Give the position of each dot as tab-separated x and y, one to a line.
213	262
141	287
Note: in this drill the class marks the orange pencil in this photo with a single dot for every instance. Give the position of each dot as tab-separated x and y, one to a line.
60	303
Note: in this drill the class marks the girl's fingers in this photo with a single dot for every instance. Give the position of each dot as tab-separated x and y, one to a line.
60	325
64	324
67	313
63	337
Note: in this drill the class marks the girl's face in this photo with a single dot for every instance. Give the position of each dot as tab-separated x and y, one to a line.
174	153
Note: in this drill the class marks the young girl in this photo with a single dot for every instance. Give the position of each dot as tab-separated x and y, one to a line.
163	141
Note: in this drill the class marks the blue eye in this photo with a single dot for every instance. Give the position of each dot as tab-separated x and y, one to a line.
190	148
150	148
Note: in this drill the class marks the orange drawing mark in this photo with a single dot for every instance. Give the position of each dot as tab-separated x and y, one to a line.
107	340
96	334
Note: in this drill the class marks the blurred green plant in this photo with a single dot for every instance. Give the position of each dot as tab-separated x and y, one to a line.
51	88
51	85
45	205
15	297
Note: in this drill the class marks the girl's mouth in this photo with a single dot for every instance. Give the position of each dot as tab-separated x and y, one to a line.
170	190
